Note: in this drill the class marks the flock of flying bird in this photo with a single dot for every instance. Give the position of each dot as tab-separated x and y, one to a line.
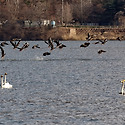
102	41
16	42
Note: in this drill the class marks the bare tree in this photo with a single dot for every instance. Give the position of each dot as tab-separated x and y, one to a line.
13	8
81	10
68	13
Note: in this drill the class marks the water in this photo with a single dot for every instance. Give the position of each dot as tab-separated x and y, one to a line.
72	86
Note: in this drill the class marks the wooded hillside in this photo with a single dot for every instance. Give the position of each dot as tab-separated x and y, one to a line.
82	11
67	12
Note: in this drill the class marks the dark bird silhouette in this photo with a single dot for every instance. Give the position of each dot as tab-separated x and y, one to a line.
4	43
24	46
86	44
118	38
50	43
61	46
46	53
103	41
57	42
35	46
16	39
89	37
2	52
102	31
46	42
96	43
101	51
15	44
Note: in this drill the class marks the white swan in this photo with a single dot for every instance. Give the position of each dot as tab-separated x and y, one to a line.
122	90
5	84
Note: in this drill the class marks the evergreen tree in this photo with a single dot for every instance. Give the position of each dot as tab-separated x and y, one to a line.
111	8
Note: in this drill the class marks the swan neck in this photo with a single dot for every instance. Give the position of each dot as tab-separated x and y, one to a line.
5	79
1	82
122	88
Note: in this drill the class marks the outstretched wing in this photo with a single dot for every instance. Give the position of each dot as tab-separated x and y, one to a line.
12	43
2	52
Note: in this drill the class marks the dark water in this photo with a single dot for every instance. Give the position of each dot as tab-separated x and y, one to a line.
72	86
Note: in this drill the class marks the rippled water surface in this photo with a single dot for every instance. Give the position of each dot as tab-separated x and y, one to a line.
72	86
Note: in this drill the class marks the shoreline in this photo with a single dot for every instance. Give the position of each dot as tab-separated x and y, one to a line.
63	33
71	33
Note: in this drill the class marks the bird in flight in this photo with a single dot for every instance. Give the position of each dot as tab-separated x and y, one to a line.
118	38
14	43
24	46
101	51
46	53
86	44
103	41
89	37
4	43
58	44
50	43
35	46
2	52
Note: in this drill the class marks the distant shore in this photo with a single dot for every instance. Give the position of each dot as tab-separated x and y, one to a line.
72	33
63	33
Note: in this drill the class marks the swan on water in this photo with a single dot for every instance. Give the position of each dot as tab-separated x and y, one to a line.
5	84
122	89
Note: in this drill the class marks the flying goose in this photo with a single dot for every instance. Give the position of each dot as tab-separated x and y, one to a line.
86	44
2	52
103	41
58	44
4	43
89	37
35	46
46	53
50	43
24	46
14	44
101	51
118	38
96	43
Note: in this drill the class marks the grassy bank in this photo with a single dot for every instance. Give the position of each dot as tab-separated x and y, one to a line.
80	33
62	33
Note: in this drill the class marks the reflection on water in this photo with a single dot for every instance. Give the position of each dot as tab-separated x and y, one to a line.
72	86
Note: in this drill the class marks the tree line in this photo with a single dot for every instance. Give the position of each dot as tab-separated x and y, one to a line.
13	12
68	11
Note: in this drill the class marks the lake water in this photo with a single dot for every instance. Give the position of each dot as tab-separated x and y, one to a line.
72	86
